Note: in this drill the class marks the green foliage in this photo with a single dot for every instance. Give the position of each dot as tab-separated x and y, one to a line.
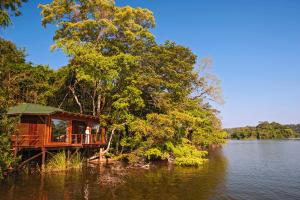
6	156
130	158
186	154
8	7
155	154
175	133
20	81
7	127
75	161
295	128
59	162
119	73
264	130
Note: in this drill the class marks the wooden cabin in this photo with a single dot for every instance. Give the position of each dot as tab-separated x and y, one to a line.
45	127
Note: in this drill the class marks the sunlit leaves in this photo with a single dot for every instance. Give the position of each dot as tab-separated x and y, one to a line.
118	72
7	8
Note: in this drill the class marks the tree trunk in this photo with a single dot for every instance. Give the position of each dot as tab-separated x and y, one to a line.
76	99
99	105
94	106
110	139
103	104
94	99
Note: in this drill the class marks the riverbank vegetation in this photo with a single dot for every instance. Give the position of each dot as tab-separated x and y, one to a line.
153	97
264	130
295	127
60	162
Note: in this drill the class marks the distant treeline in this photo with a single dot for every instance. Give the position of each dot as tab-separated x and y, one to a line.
295	127
265	130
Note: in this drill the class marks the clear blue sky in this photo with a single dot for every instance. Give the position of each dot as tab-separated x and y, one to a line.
255	45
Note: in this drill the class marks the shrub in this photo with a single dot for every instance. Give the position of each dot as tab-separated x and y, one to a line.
188	155
155	154
59	162
6	155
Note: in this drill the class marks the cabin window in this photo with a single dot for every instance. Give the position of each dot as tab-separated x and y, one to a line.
59	130
78	131
95	129
78	127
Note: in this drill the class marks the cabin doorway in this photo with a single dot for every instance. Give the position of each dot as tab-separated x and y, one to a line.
78	132
59	130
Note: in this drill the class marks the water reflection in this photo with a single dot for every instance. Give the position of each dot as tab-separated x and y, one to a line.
247	170
159	182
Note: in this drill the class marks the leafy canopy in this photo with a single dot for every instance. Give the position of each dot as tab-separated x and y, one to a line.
118	72
8	7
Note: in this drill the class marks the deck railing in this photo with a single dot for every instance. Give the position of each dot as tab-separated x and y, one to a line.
25	140
75	139
86	139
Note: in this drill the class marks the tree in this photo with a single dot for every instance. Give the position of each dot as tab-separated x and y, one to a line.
264	130
148	94
101	40
8	7
19	82
10	56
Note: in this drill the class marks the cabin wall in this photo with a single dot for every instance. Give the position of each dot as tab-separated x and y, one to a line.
31	130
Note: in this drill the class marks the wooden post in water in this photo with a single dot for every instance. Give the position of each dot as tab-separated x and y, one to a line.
102	135
100	155
43	159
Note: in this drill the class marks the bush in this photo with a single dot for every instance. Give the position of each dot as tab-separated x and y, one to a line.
130	158
7	127
155	154
57	163
75	161
188	155
6	155
189	161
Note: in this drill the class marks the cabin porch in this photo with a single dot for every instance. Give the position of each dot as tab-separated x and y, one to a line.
48	127
43	129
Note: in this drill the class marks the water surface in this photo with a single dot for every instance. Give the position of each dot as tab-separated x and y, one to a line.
241	170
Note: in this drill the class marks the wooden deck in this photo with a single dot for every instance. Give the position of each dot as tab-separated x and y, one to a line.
75	140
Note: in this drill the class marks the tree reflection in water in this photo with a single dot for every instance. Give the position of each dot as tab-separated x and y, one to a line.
159	182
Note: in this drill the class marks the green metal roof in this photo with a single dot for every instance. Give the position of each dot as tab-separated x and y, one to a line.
29	108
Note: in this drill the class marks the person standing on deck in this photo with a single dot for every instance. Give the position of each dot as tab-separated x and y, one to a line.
87	134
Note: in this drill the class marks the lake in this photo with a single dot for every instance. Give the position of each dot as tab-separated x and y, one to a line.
240	170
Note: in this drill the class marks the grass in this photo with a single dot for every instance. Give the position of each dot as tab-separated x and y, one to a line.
59	162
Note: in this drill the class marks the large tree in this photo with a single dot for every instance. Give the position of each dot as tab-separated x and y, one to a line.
103	42
151	93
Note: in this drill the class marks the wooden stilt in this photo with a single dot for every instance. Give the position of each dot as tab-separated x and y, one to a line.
26	161
86	155
41	192
100	155
74	154
43	159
